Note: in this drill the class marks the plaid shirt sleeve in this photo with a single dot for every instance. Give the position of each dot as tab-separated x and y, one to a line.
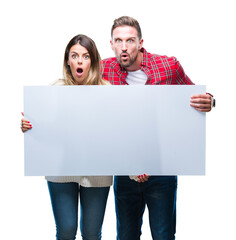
181	77
164	70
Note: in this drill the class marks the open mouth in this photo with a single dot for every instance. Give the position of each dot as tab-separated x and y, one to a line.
79	70
124	56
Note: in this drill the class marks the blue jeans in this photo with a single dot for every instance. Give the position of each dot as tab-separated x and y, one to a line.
158	193
64	199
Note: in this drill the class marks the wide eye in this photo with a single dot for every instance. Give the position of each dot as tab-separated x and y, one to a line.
73	56
86	56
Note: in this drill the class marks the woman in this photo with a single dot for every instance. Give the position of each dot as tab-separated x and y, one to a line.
81	67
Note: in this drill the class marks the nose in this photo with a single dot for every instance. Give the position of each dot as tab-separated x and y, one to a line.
124	46
79	60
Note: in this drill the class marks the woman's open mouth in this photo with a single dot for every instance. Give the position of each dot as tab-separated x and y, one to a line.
79	71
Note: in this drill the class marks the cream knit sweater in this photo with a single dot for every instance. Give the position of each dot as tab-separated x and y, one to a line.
85	181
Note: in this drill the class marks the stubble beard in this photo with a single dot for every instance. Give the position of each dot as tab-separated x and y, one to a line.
128	62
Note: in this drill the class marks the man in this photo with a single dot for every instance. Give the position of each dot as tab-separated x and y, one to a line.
134	65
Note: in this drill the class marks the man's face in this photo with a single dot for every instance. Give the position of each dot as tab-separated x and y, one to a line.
126	45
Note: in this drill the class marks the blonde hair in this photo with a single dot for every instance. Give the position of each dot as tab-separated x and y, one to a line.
94	75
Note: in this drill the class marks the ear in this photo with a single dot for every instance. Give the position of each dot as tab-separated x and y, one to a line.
140	44
112	45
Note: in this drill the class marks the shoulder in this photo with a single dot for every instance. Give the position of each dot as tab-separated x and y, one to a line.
59	82
109	61
105	82
163	61
151	59
163	58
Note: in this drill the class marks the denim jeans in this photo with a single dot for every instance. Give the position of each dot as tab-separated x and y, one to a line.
131	197
64	199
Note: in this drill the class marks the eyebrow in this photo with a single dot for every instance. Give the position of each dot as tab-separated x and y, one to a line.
125	39
77	53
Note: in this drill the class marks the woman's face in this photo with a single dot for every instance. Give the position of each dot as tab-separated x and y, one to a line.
79	62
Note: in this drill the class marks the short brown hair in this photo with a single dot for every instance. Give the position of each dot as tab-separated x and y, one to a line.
126	21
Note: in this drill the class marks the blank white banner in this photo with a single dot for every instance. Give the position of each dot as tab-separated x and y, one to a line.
114	130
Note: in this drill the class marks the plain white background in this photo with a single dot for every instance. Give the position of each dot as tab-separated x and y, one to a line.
201	34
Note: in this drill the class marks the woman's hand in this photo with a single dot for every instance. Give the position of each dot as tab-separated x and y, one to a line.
25	124
143	178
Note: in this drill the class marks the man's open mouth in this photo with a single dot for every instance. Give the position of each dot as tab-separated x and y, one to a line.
124	56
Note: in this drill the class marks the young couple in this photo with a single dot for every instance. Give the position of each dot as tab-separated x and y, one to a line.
132	65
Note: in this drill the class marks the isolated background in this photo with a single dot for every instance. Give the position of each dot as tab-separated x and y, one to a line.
201	34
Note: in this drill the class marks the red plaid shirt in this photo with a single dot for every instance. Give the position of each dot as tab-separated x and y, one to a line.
159	70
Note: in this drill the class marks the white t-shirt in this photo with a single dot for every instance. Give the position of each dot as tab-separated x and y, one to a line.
136	78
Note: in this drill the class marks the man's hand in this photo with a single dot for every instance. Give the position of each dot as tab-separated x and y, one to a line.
143	178
201	102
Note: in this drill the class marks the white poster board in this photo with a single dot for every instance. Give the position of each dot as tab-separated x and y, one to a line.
113	130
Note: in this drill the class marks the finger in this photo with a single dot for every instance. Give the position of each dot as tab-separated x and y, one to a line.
24	120
26	128
140	178
22	113
203	109
207	96
26	124
143	178
146	177
201	100
200	105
